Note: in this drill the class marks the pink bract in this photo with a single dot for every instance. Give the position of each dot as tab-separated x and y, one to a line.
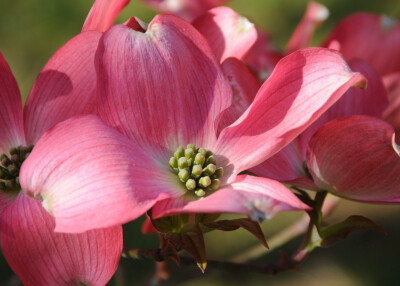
64	88
187	9
356	158
289	165
170	91
379	34
302	35
228	33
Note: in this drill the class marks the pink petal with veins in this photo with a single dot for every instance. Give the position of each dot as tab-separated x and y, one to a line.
392	113
287	165
93	177
380	38
11	122
162	88
228	33
187	9
39	256
315	14
65	86
303	85
262	56
103	14
355	157
369	101
244	88
260	198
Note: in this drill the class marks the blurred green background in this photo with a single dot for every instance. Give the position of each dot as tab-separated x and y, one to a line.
31	31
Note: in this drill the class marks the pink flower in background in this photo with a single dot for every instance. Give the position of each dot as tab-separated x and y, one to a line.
27	230
169	91
228	33
356	158
64	88
381	37
290	165
187	9
337	157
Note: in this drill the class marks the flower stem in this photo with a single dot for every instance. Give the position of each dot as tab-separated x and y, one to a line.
292	231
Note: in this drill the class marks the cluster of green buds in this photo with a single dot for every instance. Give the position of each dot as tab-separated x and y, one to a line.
197	169
10	165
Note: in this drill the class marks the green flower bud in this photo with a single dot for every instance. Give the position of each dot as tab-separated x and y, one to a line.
183	175
190	184
173	162
10	185
197	170
191	146
24	149
210	169
189	153
199	159
204	182
202	151
182	163
5	161
15	158
219	172
211	160
215	184
200	192
208	153
12	169
179	153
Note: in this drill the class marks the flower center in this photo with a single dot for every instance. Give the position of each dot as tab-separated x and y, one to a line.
9	167
196	169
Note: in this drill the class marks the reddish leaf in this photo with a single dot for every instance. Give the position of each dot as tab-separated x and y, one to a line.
192	241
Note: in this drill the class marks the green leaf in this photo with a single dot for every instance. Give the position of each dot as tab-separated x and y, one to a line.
192	241
230	225
206	218
333	233
168	224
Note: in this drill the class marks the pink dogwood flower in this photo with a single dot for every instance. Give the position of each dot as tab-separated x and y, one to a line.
228	33
356	157
381	37
64	88
346	157
232	35
187	9
161	87
290	164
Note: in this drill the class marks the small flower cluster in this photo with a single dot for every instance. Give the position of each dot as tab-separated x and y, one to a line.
197	169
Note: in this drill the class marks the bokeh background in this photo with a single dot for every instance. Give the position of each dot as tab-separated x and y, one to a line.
31	31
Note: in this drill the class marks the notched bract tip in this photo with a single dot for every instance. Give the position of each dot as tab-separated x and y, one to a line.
396	147
362	82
